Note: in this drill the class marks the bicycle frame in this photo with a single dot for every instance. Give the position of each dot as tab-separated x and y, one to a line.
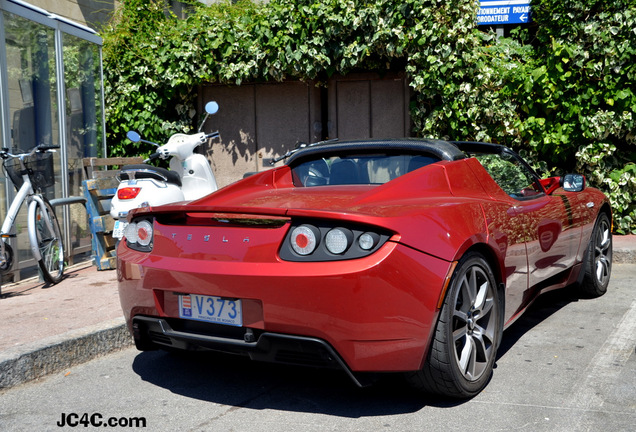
25	193
44	234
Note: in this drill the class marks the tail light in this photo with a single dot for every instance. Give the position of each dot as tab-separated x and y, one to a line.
139	235
128	193
338	240
304	239
324	241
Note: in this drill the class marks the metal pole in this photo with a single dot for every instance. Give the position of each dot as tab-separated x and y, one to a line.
101	77
61	115
4	87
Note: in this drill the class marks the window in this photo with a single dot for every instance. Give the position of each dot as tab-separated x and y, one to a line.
51	88
32	102
511	174
357	169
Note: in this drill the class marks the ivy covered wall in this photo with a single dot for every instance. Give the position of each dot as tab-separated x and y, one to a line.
561	91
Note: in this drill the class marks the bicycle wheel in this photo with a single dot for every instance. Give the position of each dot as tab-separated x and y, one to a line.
6	259
46	240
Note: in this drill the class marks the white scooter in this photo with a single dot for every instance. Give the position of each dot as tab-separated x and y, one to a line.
190	175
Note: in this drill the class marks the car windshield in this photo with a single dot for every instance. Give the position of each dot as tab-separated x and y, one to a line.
357	169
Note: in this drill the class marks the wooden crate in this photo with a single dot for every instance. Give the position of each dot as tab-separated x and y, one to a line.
93	166
99	188
98	193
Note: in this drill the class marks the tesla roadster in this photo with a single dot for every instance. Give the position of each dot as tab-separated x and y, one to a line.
367	256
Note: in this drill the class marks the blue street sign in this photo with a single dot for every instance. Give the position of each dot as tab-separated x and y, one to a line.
496	12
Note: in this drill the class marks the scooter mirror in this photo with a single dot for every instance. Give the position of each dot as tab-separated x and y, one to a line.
133	136
211	107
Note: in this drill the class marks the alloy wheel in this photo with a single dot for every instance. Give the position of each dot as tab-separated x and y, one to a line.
603	252
474	323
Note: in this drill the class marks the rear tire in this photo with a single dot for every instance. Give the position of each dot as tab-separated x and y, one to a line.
46	232
598	258
462	354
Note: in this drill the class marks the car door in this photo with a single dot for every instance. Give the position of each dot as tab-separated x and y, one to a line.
534	219
551	239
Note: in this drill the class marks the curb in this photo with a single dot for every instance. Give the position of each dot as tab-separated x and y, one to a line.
624	255
26	363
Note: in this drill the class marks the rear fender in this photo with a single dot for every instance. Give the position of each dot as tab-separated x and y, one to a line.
446	230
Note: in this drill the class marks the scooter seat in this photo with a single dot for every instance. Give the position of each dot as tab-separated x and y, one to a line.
141	171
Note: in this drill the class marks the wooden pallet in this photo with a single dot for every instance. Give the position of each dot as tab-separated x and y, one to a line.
98	193
93	166
99	188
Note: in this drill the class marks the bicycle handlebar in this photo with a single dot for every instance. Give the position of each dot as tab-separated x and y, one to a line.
5	154
44	148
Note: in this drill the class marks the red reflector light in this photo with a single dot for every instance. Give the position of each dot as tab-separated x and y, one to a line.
128	193
142	235
302	241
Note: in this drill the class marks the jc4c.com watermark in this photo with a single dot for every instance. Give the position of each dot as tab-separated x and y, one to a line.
99	420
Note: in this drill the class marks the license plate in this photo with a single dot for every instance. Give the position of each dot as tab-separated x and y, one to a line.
118	230
211	309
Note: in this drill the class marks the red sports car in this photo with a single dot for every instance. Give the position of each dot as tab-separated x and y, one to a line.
366	256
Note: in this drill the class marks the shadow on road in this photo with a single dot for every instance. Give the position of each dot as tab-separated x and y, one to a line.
239	382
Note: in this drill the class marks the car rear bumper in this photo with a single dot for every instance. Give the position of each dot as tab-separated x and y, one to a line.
374	314
261	346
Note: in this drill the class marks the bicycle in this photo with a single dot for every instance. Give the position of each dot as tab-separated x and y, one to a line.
31	173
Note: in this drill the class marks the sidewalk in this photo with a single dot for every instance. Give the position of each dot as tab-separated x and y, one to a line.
45	330
50	329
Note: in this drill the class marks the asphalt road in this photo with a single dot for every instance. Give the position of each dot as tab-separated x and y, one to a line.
568	365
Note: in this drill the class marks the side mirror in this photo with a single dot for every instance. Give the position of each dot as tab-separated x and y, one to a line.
211	107
573	182
133	136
